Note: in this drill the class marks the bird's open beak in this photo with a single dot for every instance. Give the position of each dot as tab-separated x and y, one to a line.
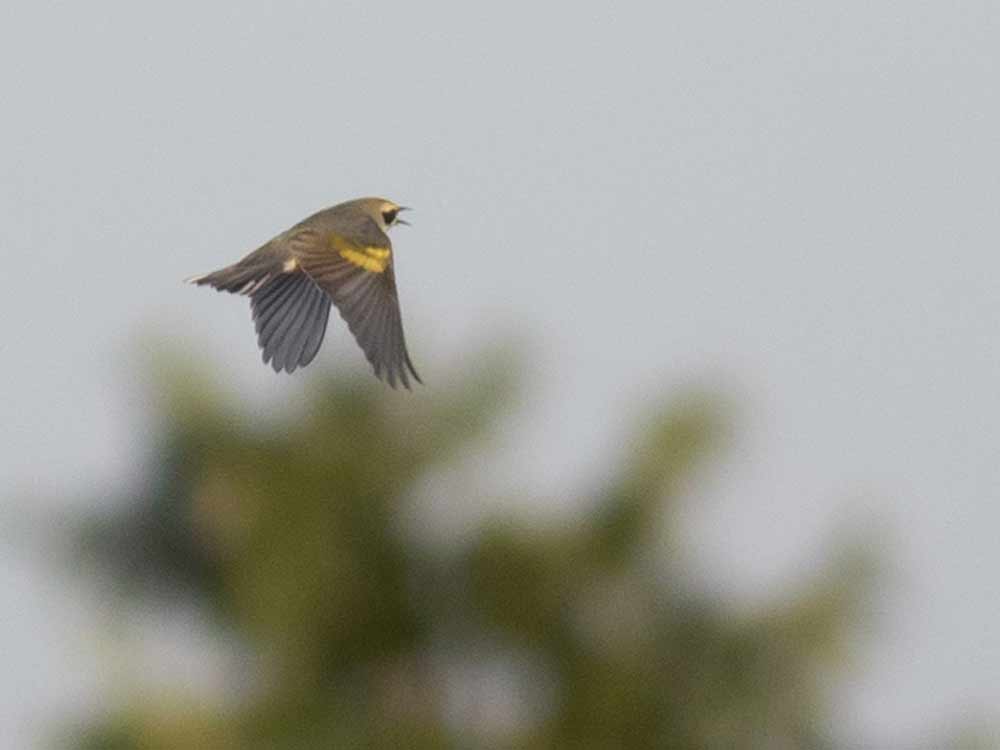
404	222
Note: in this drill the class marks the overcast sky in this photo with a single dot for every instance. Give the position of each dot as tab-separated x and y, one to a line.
796	201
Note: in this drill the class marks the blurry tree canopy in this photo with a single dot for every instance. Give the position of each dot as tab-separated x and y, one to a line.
577	633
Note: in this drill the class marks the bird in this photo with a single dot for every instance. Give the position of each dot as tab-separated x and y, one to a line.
340	255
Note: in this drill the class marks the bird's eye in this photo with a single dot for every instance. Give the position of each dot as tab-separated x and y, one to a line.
389	216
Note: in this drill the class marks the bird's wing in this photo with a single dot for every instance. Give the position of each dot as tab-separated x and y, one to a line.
289	311
357	273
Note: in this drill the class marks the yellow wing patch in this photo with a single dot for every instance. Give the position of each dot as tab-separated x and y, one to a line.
374	259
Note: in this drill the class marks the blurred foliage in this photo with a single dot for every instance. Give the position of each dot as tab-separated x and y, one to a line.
577	633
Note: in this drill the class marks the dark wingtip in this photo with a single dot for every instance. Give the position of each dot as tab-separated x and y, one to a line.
390	379
413	370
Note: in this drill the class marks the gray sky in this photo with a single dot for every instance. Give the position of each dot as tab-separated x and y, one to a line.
793	200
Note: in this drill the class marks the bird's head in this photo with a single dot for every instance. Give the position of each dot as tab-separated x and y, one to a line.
383	212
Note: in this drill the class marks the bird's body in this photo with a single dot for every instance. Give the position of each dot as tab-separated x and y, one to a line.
341	255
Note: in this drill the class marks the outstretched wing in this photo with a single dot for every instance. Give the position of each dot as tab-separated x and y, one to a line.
289	311
290	314
358	275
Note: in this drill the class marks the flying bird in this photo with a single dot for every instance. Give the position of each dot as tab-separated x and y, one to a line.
341	255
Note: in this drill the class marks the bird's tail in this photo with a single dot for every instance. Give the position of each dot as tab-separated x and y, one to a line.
249	274
238	278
